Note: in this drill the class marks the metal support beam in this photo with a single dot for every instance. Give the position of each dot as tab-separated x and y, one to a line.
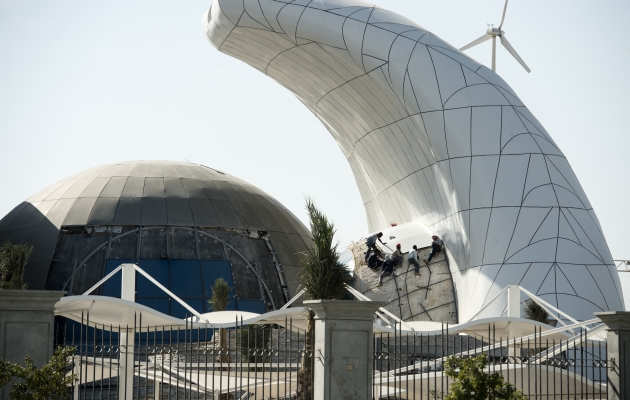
514	301
361	297
276	261
127	362
297	296
128	282
165	290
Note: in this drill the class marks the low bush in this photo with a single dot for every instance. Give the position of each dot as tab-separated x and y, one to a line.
471	382
46	383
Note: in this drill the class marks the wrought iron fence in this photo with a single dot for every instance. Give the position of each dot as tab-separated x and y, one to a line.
191	362
277	362
412	366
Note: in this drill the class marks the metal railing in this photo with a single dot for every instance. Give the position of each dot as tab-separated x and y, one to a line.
139	362
412	365
622	265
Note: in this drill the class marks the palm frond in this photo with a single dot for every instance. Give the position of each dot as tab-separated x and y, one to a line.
321	273
535	312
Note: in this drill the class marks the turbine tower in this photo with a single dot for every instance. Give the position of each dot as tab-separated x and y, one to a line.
493	33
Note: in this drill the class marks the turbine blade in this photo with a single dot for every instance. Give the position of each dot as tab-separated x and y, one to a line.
513	52
476	42
503	16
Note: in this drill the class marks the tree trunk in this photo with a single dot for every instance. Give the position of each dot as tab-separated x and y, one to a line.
305	374
223	346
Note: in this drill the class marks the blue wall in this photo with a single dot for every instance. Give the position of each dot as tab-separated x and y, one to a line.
190	280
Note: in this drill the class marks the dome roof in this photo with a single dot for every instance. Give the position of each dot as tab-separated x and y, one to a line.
150	193
145	193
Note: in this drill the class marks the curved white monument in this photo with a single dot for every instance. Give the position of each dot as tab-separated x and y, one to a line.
433	136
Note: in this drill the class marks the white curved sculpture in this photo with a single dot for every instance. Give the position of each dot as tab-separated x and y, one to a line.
433	136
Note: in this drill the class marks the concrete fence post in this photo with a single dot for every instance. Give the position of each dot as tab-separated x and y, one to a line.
343	348
618	348
27	327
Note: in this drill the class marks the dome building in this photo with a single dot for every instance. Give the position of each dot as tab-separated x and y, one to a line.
184	224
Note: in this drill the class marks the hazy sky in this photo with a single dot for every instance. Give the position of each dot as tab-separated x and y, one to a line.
87	83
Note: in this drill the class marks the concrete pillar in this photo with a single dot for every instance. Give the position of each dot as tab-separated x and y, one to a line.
618	347
27	325
343	348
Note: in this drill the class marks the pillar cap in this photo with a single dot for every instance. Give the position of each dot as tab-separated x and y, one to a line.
23	300
615	320
343	309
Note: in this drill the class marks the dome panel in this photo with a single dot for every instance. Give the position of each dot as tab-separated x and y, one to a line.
103	212
114	187
129	211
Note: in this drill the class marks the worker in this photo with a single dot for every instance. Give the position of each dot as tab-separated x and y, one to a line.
375	260
371	244
436	247
388	269
413	259
397	256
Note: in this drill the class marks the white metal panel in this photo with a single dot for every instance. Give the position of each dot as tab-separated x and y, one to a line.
511	174
449	74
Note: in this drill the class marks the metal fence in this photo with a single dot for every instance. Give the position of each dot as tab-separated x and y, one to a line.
136	362
412	366
277	362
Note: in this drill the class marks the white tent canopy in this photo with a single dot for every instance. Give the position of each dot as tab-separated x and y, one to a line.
113	313
117	313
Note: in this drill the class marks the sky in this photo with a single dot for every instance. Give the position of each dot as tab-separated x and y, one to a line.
89	83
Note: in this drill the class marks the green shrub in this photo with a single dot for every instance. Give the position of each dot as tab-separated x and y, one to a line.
472	383
220	293
48	382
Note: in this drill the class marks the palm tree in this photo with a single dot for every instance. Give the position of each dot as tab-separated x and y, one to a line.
220	294
323	277
219	302
321	273
13	259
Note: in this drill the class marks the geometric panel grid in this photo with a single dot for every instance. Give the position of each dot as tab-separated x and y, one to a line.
433	136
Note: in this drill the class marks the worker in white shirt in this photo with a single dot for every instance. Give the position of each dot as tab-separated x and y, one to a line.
413	259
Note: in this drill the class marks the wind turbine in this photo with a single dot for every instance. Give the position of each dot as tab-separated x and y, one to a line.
492	33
